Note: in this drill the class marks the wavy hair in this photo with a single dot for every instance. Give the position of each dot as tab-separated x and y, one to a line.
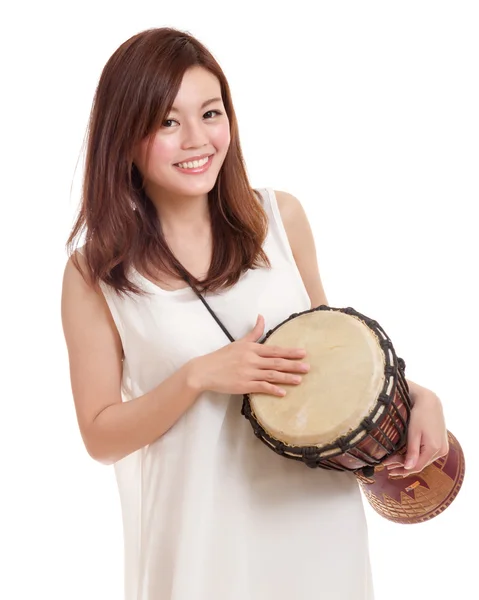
121	228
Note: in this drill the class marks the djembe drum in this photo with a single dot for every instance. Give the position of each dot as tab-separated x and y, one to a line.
352	411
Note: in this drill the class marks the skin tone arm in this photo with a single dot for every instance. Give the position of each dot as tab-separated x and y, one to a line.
110	428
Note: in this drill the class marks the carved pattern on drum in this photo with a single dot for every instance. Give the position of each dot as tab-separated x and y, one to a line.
418	497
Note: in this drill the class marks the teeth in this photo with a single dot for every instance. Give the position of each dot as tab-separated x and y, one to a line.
195	164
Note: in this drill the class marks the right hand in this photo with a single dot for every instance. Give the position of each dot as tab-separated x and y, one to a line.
247	367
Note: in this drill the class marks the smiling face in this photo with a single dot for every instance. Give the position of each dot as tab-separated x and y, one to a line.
187	151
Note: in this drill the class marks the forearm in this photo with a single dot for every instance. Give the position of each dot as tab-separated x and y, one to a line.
124	427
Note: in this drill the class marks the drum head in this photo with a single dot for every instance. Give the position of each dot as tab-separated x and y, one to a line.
343	384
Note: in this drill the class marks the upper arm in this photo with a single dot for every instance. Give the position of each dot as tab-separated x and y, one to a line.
302	244
94	349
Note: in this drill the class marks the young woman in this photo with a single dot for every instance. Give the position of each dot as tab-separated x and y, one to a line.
209	512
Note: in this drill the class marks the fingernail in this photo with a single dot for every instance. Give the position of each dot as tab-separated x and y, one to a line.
304	367
296	379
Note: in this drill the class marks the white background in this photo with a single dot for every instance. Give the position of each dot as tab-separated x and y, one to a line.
368	113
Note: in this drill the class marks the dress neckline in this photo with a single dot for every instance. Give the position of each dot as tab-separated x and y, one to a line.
156	288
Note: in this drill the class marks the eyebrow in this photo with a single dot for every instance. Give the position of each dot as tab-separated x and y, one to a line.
205	104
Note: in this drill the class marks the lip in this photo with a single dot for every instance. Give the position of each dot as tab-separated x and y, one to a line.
198	170
193	158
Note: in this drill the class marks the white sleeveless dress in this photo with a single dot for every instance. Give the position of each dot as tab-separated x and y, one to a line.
209	512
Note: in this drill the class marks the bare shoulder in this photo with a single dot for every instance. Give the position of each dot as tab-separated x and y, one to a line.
293	215
301	240
78	293
93	345
287	203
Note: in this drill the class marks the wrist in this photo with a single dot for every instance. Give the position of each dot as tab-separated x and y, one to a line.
194	375
421	395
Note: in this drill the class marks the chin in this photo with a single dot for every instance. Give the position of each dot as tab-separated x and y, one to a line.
197	188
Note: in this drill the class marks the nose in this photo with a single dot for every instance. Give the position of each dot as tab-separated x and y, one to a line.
194	134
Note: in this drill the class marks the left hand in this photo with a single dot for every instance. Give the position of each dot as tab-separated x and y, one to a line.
426	439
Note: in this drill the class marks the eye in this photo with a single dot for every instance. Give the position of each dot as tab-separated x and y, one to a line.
167	122
212	112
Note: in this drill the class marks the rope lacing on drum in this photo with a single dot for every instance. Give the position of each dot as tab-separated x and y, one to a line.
309	455
368	424
343	445
308	452
257	430
386	344
383	399
280	449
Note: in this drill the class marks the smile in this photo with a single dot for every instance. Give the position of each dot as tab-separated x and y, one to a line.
196	166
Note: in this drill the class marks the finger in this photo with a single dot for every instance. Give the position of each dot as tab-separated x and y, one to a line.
284	365
394	465
424	460
413	448
264	387
399	471
278	377
394	459
255	334
278	352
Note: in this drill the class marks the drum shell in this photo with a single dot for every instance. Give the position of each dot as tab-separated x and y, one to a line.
418	497
386	437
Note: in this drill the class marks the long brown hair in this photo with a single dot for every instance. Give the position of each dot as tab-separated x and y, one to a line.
135	92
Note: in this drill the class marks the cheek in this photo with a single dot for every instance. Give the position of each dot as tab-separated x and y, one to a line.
164	150
161	151
221	137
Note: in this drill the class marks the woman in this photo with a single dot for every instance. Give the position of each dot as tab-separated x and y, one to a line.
209	512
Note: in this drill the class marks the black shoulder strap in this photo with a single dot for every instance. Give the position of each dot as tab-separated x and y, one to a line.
210	310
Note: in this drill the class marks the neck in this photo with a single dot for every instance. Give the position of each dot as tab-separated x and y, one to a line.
179	214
